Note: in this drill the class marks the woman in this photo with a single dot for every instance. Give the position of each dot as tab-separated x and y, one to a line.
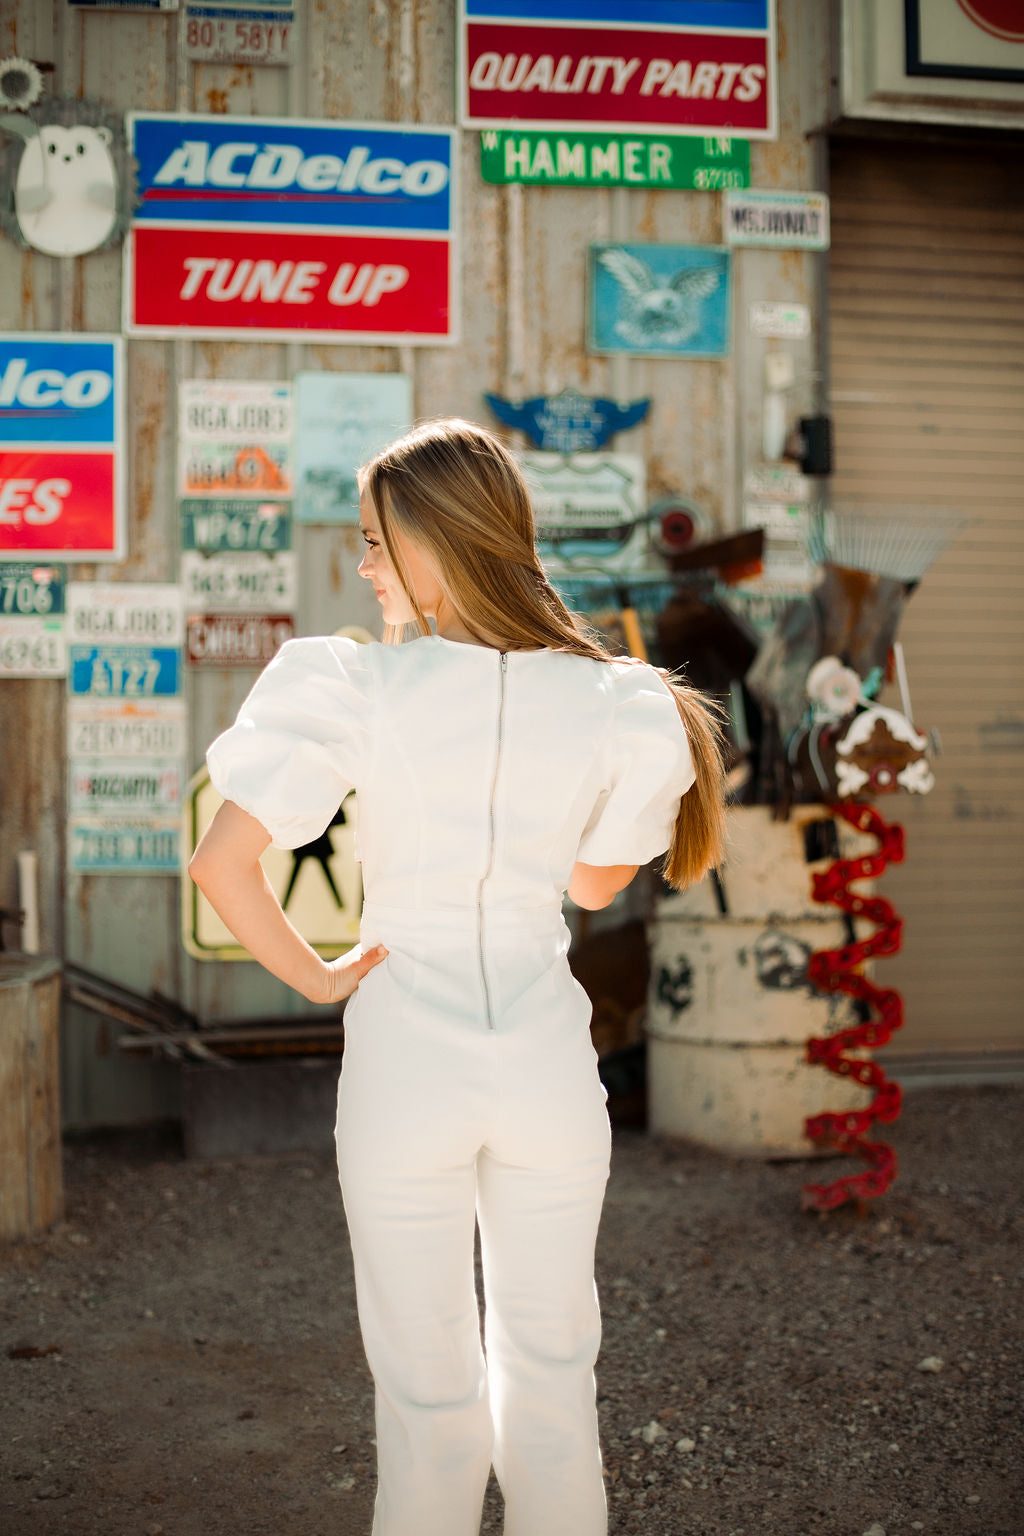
498	761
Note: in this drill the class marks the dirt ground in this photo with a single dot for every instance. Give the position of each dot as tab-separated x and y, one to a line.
180	1357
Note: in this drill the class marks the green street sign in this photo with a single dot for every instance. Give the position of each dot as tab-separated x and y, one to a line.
714	164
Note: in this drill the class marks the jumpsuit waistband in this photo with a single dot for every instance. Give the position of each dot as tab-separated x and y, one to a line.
454	919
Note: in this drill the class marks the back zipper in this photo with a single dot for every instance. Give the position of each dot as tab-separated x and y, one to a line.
490	850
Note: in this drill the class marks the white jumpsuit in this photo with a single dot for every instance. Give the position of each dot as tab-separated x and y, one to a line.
469	1090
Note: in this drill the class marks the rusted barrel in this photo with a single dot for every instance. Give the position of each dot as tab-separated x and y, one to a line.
730	1007
31	1178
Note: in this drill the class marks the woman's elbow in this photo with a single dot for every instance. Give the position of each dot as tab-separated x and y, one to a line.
198	867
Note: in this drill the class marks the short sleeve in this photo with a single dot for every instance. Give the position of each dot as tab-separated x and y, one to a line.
651	768
300	739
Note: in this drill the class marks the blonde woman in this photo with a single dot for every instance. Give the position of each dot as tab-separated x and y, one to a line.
500	757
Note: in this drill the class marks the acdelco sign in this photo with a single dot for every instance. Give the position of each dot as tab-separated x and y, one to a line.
331	231
56	390
282	167
60	447
273	172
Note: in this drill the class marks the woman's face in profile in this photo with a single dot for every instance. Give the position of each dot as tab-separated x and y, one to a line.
377	568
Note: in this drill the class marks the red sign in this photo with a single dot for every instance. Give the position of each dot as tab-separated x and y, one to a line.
220	282
666	79
236	639
1002	18
58	501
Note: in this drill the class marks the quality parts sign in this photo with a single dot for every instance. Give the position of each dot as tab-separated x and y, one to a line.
61	402
281	228
675	66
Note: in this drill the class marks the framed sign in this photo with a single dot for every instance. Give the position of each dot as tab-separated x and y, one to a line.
61	456
589	509
343	419
659	300
661	66
965	39
277	228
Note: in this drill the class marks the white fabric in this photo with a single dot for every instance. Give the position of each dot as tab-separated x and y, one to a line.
593	762
441	1118
469	1082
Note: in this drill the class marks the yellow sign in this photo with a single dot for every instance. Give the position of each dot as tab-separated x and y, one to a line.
319	885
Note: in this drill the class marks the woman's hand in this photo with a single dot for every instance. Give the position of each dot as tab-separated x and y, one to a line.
342	976
596	885
226	867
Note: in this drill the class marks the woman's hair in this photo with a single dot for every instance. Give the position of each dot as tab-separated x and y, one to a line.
454	490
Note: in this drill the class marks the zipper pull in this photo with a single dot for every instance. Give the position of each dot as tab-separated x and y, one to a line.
504	660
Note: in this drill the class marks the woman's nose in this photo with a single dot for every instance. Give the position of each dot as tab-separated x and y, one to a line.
363	568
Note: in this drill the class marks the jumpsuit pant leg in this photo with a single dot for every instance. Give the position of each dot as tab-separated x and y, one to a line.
538	1229
412	1239
445	1120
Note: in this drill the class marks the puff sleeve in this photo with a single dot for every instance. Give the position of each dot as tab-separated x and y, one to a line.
300	739
649	768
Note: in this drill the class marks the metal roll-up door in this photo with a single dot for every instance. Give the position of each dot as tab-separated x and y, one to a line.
926	315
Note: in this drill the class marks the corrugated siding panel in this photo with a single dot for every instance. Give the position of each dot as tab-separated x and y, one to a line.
927	346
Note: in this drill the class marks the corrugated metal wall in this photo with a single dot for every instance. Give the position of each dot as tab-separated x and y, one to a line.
927	338
522	326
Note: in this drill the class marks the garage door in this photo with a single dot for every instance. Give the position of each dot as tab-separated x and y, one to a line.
927	393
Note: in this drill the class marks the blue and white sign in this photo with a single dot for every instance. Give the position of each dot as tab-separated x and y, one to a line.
721	15
569	422
271	173
57	390
124	671
659	300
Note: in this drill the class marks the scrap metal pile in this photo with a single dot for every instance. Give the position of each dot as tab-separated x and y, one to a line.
807	726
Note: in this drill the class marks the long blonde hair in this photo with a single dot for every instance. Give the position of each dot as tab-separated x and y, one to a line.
454	490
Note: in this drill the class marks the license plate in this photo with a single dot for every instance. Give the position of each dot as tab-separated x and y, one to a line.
29	591
117	730
228	527
125	850
246	582
236	639
33	648
124	671
230	37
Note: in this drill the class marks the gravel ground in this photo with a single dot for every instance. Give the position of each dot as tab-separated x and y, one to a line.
181	1358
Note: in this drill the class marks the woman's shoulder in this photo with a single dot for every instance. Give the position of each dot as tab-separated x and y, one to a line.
326	653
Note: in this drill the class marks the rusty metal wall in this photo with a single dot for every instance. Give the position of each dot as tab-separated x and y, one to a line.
522	328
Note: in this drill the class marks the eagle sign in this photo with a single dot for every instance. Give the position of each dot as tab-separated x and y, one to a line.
655	312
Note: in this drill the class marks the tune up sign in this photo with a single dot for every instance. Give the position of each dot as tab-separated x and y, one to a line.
60	457
278	228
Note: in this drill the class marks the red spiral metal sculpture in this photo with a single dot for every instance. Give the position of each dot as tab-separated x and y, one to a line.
837	970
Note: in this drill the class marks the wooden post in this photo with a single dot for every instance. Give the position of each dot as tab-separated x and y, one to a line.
31	1180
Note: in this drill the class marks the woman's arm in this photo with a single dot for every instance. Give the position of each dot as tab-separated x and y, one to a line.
226	868
594	885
